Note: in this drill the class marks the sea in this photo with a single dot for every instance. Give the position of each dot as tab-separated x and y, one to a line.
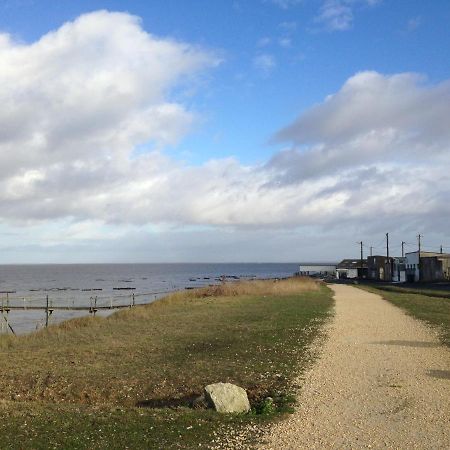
102	287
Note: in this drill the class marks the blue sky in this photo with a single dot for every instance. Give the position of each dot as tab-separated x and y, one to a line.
261	67
242	106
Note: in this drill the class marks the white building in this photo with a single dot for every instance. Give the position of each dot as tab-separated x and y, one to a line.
399	269
324	269
412	266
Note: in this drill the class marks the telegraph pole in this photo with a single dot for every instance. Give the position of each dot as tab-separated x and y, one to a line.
441	249
419	242
371	251
361	244
403	249
387	276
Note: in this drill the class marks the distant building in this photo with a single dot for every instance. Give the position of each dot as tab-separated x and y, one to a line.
428	266
399	269
351	268
315	269
380	268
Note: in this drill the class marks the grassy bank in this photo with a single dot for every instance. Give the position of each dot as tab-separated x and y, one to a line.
432	309
128	380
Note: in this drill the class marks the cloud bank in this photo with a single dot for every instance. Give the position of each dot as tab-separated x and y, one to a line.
86	112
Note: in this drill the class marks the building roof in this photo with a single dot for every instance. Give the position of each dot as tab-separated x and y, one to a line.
430	254
318	264
352	264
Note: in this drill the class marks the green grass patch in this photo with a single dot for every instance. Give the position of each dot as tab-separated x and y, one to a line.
420	291
433	310
128	380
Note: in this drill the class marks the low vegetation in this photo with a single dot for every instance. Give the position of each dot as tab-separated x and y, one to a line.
429	290
128	381
426	305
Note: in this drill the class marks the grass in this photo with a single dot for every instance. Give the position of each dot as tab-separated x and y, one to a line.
433	310
427	291
128	380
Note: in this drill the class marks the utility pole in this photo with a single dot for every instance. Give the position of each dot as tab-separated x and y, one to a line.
387	276
403	249
420	245
371	251
361	244
441	249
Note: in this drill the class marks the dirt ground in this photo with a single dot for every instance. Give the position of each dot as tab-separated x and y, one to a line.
382	381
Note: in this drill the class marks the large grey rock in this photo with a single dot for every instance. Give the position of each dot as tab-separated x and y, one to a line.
227	398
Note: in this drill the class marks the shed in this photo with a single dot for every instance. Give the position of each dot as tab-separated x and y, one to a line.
351	268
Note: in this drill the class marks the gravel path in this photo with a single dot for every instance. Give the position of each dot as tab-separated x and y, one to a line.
382	381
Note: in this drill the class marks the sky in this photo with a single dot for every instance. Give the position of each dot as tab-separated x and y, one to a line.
222	131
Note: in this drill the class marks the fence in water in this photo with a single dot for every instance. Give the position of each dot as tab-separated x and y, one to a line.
49	305
33	309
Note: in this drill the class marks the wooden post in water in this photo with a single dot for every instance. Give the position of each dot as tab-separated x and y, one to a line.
46	313
7	313
3	316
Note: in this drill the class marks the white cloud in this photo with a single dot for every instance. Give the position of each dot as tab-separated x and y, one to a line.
383	141
285	42
381	111
84	87
285	4
77	105
265	62
337	15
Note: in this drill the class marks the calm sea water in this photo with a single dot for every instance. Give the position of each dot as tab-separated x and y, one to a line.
109	284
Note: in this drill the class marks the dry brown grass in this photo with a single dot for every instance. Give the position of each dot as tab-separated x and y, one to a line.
289	286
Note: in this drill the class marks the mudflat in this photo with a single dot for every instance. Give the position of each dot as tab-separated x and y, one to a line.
382	381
